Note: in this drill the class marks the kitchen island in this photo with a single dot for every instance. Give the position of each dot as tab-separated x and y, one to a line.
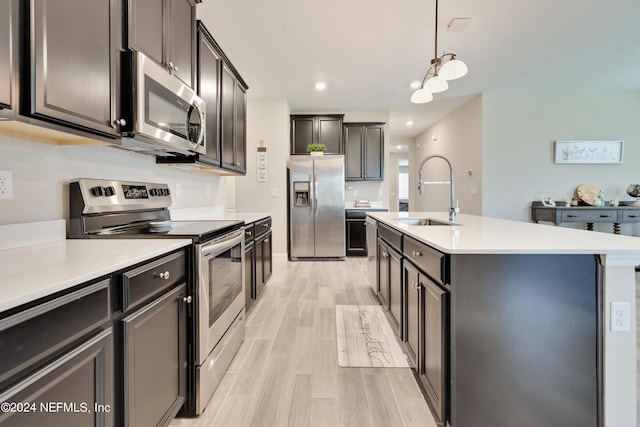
526	326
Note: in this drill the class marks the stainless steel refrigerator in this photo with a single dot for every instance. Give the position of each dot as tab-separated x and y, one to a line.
316	207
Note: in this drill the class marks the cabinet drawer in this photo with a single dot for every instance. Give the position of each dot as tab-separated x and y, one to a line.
391	236
430	261
263	226
151	279
586	215
32	335
631	216
249	232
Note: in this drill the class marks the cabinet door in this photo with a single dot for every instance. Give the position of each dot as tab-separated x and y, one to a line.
8	52
383	274
353	136
155	361
209	74
267	258
146	28
259	266
81	379
74	62
227	118
433	376
302	134
395	290
373	153
412	325
330	134
182	30
240	139
249	276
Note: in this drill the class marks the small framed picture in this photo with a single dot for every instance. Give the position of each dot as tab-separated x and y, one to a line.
588	152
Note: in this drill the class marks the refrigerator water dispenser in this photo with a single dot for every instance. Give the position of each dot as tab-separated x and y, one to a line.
301	189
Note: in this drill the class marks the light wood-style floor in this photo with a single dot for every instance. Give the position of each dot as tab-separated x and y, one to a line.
286	372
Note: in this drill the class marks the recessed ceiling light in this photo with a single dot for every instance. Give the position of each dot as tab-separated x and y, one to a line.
321	86
409	123
415	84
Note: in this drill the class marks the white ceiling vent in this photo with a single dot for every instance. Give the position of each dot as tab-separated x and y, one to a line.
458	24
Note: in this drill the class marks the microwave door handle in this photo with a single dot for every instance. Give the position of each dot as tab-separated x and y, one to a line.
219	247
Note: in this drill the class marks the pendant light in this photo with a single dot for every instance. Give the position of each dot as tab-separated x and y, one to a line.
442	68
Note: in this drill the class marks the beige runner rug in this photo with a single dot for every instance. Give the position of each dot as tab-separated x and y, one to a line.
365	338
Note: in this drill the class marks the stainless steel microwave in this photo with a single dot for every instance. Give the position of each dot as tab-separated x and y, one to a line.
162	114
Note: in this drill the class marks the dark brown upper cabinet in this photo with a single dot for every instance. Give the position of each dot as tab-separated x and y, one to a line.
364	151
316	129
208	72
165	31
233	104
73	63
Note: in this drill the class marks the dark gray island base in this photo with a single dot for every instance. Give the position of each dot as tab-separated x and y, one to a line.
525	346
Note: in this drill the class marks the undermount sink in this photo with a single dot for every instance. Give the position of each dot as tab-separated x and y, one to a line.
424	221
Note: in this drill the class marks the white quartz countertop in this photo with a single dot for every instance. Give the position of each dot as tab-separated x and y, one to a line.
36	271
477	235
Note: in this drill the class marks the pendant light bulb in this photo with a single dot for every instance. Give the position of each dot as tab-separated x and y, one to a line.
436	84
421	96
453	69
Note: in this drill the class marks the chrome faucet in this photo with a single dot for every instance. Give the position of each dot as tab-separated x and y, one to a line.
453	209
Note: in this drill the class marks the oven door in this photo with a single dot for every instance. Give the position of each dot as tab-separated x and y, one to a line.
220	288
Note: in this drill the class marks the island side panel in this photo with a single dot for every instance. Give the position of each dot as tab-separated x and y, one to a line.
525	340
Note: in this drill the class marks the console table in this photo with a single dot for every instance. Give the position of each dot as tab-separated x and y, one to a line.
587	214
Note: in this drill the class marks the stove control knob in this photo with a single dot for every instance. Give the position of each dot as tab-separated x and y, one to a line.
153	192
97	191
109	191
166	192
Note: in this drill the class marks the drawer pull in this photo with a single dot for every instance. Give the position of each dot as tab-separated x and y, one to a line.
248	233
573	216
416	253
416	285
265	225
605	216
187	300
266	240
632	216
385	254
164	275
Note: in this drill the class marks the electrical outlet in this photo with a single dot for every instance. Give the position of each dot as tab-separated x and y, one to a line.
620	313
6	185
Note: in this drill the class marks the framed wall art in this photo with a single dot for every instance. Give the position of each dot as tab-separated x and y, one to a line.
588	151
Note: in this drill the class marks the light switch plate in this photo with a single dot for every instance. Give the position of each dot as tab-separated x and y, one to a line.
6	185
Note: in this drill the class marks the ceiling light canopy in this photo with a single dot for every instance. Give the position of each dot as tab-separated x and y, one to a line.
442	68
321	86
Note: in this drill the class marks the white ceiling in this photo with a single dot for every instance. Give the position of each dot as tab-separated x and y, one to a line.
368	51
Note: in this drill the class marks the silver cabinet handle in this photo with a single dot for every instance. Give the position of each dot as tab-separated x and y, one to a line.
416	253
164	275
266	240
120	122
187	300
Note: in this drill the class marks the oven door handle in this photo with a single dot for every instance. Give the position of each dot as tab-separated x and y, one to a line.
221	246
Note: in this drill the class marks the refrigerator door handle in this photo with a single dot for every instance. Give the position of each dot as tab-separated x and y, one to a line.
312	202
315	193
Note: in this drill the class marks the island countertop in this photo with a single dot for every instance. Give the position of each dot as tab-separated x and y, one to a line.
474	234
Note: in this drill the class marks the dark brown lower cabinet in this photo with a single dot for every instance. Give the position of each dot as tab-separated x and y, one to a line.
426	332
249	274
75	389
155	360
264	267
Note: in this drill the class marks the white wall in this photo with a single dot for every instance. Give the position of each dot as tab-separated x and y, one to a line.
267	121
519	130
41	173
458	137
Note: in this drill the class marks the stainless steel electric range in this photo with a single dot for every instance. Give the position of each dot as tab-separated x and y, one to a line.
107	209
